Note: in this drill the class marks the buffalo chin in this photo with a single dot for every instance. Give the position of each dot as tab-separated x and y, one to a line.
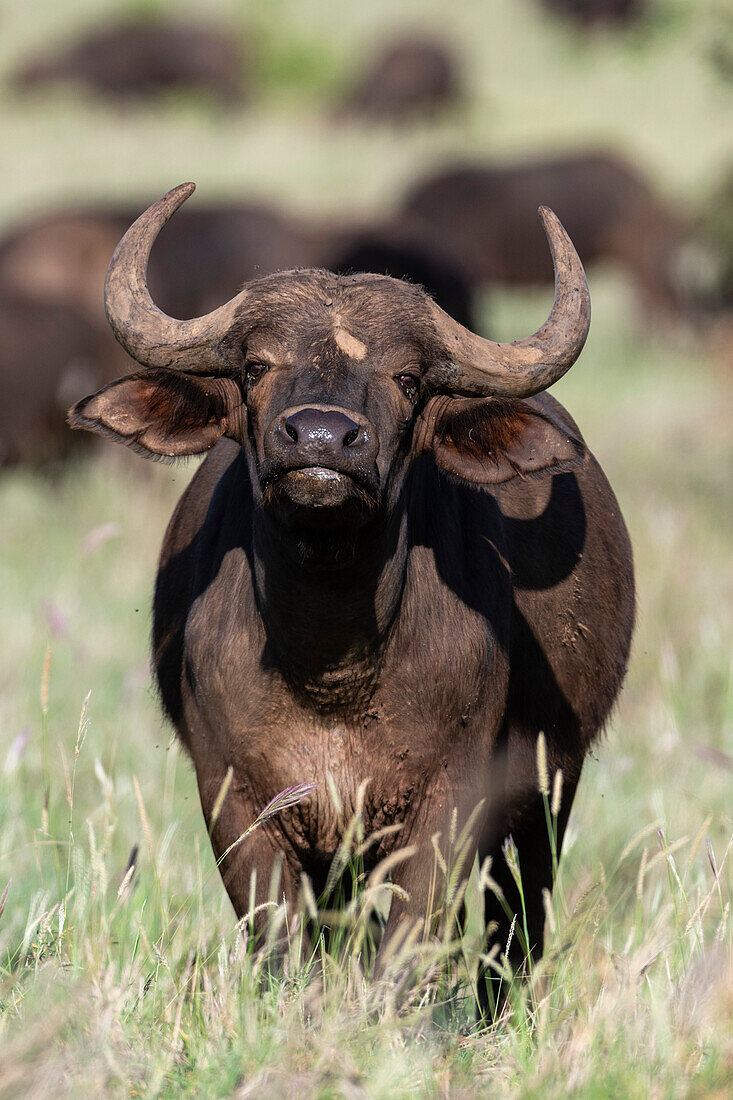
320	499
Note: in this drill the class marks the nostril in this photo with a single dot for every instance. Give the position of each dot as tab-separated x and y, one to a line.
291	431
351	437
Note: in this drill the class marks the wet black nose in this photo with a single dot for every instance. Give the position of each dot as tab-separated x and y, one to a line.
322	437
324	430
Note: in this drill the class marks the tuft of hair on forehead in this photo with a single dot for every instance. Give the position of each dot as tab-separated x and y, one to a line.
318	288
357	307
355	290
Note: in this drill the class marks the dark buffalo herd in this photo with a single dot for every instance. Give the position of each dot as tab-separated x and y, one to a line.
456	231
206	256
397	565
410	77
139	58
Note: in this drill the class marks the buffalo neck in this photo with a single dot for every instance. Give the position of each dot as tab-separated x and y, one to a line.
328	606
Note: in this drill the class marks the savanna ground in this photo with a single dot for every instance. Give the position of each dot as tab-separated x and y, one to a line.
112	984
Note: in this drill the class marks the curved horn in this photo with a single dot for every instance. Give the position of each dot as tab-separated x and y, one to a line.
148	334
476	367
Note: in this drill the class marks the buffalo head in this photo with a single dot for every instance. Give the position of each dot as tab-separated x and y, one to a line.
332	384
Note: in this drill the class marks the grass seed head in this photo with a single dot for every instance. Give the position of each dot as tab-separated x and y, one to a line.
543	778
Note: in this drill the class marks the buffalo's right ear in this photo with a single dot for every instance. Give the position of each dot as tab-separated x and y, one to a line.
163	412
491	440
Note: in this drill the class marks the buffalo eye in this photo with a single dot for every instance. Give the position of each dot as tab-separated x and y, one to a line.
409	384
254	371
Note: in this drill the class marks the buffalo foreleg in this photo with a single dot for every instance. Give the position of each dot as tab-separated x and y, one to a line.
522	866
428	883
262	883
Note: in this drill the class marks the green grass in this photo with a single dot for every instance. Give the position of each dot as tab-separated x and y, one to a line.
145	987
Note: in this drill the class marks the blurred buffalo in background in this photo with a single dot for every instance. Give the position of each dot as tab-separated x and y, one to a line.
209	254
60	258
385	252
591	13
141	58
48	353
53	328
203	256
484	219
407	79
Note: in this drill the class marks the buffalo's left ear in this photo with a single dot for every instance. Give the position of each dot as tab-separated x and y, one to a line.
163	413
489	441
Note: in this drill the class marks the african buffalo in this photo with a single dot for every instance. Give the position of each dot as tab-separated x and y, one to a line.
479	214
143	57
399	563
411	77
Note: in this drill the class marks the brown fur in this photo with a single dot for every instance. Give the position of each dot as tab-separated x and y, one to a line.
159	413
494	440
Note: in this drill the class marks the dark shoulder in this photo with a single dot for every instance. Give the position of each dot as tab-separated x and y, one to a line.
193	507
179	572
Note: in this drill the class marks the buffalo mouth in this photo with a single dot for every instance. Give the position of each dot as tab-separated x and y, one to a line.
320	497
